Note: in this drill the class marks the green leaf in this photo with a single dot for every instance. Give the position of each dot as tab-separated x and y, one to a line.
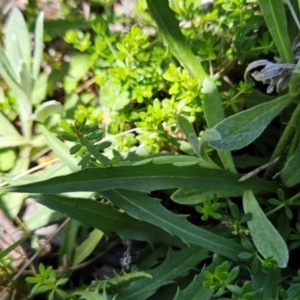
11	76
47	109
193	197
214	113
7	128
290	175
58	27
145	178
90	295
17	41
106	218
145	208
42	217
7	69
177	160
6	251
176	263
265	237
190	133
12	141
93	150
79	65
196	290
168	27
39	91
113	97
267	283
7	159
70	237
294	291
243	128
294	89
119	280
87	246
60	149
38	46
274	14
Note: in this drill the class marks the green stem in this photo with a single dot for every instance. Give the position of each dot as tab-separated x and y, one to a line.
295	200
282	205
294	143
285	139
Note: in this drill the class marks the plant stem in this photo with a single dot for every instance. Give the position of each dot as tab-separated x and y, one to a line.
295	200
294	143
276	208
285	139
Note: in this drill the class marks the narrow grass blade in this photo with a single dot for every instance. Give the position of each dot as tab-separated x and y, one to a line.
17	27
38	46
6	251
274	14
169	29
87	246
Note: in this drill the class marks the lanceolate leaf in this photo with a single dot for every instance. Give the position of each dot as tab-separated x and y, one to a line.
274	14
106	218
265	237
243	128
169	29
176	263
17	41
9	249
189	133
145	178
145	208
87	246
38	46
